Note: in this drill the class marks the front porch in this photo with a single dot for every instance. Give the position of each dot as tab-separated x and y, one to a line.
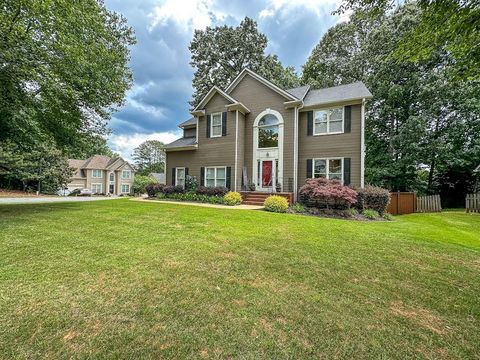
258	197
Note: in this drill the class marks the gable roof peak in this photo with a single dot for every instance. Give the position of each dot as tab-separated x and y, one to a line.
247	71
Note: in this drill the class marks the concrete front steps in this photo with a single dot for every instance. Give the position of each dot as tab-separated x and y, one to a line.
257	198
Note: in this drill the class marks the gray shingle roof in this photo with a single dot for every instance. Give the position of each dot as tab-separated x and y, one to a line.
182	142
299	92
191	121
353	91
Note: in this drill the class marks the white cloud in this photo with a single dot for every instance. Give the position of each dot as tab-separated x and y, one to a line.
316	6
125	144
187	14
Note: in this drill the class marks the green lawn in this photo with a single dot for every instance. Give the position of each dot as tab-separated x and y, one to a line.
126	279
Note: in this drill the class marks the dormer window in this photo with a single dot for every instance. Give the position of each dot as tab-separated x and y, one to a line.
216	125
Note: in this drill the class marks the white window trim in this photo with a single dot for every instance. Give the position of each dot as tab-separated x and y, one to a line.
129	174
215	179
211	125
98	192
97	177
121	188
327	166
328	121
176	176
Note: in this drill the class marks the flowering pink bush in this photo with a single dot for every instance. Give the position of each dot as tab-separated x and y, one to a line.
330	194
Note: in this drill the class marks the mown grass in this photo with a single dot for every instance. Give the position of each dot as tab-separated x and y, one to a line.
126	279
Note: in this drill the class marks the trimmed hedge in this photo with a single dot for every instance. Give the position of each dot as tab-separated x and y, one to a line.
170	189
154	189
191	197
212	190
373	198
276	203
327	194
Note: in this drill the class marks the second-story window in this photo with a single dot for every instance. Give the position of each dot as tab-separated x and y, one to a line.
216	125
126	174
96	173
268	132
328	121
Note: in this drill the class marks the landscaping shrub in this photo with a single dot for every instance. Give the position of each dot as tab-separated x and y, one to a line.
232	198
154	189
352	212
298	208
276	203
191	183
370	214
191	197
373	198
169	189
140	183
330	194
388	216
212	190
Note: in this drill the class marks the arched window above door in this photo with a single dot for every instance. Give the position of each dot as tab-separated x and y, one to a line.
268	131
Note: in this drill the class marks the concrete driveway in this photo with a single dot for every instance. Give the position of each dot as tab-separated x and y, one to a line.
53	199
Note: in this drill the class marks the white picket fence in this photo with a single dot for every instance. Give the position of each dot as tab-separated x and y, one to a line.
472	202
430	203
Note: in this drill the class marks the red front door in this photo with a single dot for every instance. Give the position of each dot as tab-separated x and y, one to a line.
267	167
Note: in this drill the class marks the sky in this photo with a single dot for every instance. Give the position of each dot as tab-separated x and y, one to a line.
160	60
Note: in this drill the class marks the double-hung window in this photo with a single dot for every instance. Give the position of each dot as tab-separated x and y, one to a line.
180	176
328	121
97	188
96	173
216	125
330	168
125	188
216	176
126	174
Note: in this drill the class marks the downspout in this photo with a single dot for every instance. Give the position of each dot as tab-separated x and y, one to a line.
295	151
236	151
362	146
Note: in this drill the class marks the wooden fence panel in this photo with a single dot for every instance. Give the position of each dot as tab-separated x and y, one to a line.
472	202
402	203
430	203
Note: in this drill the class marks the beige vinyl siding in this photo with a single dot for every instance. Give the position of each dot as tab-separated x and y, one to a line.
346	145
218	151
258	97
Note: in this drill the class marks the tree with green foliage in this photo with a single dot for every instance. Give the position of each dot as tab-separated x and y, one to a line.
452	26
44	167
149	157
63	68
422	123
220	53
140	182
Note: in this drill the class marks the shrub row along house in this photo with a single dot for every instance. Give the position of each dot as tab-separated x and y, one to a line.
102	175
256	136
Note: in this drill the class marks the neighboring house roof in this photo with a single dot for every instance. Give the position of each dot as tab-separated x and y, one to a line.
182	143
100	162
189	122
160	177
353	91
299	92
74	163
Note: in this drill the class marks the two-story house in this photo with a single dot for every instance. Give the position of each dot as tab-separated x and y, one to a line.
102	175
254	134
